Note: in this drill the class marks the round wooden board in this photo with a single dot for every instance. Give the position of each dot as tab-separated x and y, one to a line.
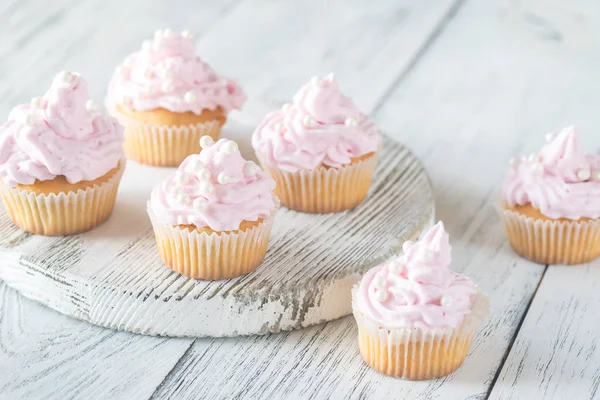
113	277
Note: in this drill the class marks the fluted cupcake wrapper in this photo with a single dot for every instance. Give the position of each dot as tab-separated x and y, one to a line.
418	354
163	145
65	213
552	241
324	190
215	255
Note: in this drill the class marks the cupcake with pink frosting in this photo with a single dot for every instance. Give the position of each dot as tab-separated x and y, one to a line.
61	160
213	216
552	203
168	98
417	318
320	149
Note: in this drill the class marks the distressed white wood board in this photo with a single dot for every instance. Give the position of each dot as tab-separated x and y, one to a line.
113	276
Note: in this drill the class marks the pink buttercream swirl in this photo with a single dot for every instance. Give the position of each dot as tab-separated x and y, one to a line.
59	134
561	181
217	188
417	290
167	74
320	127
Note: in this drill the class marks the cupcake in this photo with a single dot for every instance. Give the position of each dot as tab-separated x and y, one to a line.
321	149
551	203
212	218
61	161
417	318
167	99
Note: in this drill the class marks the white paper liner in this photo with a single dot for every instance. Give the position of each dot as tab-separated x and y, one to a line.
63	213
552	241
163	145
417	354
215	255
324	190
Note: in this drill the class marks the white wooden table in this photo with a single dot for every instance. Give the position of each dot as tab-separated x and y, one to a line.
465	84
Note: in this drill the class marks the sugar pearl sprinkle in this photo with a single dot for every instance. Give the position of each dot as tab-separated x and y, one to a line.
28	119
206	141
329	78
181	178
182	198
309	121
250	169
223	178
286	107
446	301
513	162
597	175
351	122
317	81
187	35
407	245
167	87
91	106
584	174
205	188
382	295
229	147
537	168
396	267
380	282
549	137
189	97
36	102
199	204
203	174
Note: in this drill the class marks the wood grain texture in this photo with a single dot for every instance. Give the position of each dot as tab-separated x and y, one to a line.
47	355
113	276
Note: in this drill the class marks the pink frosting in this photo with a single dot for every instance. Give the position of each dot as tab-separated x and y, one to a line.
561	181
61	133
167	74
417	290
217	188
320	127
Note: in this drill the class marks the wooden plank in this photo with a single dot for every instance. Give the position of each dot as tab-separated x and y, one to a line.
556	355
44	354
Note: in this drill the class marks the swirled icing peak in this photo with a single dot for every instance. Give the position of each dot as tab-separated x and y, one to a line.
167	74
61	133
320	127
417	290
561	180
217	188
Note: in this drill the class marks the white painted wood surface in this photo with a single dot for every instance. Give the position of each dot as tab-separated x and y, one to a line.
465	84
112	276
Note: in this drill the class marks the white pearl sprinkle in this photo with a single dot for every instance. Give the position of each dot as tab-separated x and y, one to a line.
167	33
205	188
446	301
195	165
28	119
223	178
380	282
584	174
182	198
181	177
250	169
597	175
147	45
91	106
523	159
189	97
199	204
425	254
329	78
382	295
549	137
513	162
351	122
396	267
36	102
206	141
286	107
317	81
203	174
407	245
537	168
229	147
187	35
165	73
309	121
533	158
167	87
65	77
